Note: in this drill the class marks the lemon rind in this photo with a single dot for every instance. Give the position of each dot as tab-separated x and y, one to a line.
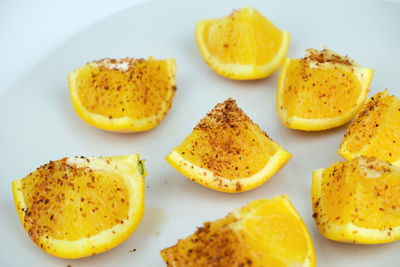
208	179
348	233
298	123
346	154
122	124
88	246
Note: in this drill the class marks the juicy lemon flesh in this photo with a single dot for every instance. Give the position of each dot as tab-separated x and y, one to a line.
137	93
73	202
363	129
376	130
314	93
230	152
277	231
245	37
364	192
264	233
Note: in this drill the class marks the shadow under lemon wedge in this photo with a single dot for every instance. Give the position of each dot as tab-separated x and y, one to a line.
243	46
227	152
263	233
321	91
357	201
78	207
124	95
375	131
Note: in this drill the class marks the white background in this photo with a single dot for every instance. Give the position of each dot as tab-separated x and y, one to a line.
29	30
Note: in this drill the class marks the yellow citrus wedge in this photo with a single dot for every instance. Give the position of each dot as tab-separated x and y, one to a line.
227	152
358	201
78	207
321	91
375	131
125	95
242	46
263	233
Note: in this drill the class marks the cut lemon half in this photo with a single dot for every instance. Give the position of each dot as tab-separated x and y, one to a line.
125	95
321	91
227	152
243	46
376	130
358	201
263	233
78	207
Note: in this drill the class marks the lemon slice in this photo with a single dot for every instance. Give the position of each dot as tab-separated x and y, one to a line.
358	201
125	95
227	152
78	207
263	233
321	91
375	131
243	46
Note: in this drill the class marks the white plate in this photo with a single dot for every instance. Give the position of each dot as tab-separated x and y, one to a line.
38	123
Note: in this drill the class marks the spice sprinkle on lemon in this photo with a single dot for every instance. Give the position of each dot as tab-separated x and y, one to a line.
123	95
228	152
321	91
78	207
263	233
